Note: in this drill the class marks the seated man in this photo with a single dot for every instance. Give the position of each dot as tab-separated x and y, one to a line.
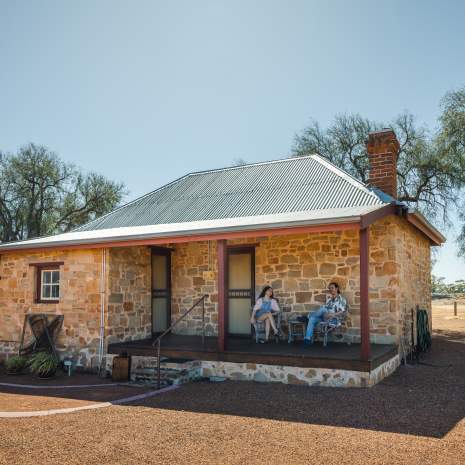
332	311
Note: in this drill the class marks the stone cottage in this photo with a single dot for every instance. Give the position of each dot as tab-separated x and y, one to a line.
217	237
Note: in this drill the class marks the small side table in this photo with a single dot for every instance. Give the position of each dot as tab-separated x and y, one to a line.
295	328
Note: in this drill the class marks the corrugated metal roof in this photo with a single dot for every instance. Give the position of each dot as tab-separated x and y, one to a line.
282	186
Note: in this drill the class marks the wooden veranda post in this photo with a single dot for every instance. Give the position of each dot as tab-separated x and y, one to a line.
364	283
221	254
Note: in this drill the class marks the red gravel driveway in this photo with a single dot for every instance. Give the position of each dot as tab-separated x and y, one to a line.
416	416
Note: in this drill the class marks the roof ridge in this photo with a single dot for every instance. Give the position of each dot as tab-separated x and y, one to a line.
189	178
246	165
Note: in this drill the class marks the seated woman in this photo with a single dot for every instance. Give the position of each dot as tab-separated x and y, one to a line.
335	307
264	309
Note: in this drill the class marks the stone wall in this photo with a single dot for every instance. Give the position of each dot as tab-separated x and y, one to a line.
80	280
127	298
194	273
300	267
129	314
300	376
415	276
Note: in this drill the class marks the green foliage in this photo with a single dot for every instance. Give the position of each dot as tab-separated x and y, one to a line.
429	176
439	286
452	140
43	364
430	165
41	194
16	364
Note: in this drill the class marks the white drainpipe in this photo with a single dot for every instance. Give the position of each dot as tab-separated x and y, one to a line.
101	348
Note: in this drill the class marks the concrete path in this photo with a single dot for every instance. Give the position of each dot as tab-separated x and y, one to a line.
125	400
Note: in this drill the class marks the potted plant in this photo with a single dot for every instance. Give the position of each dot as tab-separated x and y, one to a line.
15	365
43	364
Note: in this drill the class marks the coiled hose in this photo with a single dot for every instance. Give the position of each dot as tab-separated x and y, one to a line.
423	334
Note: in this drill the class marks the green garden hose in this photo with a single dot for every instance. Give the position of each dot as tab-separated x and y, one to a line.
423	334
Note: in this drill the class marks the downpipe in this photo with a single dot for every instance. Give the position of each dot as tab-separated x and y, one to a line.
101	348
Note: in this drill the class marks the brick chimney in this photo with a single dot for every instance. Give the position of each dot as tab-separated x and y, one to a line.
383	147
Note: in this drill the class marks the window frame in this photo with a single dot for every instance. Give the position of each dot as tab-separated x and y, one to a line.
39	269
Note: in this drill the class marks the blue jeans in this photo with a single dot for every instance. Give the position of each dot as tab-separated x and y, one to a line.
315	318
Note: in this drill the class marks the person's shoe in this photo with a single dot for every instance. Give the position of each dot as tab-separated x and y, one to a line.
308	342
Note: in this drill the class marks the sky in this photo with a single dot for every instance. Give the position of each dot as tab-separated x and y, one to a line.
146	91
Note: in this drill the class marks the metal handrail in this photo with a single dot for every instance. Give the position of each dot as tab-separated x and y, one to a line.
157	341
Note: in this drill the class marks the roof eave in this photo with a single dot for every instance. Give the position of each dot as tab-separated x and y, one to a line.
289	227
417	220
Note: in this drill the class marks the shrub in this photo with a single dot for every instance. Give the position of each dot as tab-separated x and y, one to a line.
16	364
43	364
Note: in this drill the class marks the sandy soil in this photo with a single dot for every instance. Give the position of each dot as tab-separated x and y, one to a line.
444	319
416	416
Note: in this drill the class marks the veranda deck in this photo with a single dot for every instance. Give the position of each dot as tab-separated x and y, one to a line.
336	355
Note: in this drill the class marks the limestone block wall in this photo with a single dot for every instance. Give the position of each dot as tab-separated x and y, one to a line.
300	267
193	274
129	313
414	257
384	281
80	280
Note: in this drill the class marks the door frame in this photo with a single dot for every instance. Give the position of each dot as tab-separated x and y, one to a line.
233	250
163	251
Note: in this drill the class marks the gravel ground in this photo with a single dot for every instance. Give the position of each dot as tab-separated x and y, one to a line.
13	399
416	416
22	400
60	378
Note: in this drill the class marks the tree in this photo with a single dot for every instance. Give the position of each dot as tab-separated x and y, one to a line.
452	140
41	195
438	285
238	161
430	167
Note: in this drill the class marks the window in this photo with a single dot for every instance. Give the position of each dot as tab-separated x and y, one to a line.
49	284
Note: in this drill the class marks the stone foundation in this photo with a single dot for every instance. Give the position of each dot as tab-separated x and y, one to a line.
273	373
300	376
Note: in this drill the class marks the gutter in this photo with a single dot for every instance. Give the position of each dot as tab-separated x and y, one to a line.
168	236
232	231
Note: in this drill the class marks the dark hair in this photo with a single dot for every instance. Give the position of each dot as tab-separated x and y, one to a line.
262	294
336	285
